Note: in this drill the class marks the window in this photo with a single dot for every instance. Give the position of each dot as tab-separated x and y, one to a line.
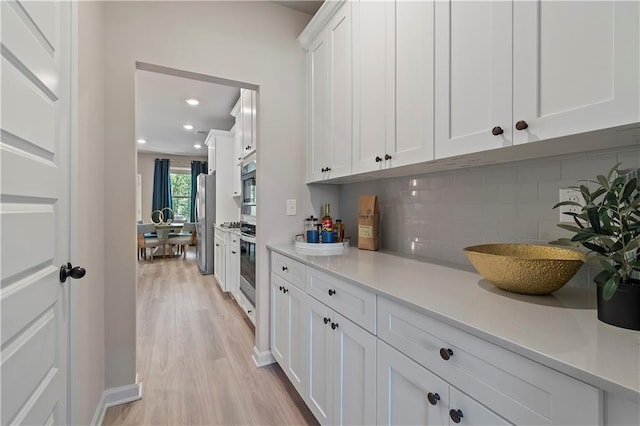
181	192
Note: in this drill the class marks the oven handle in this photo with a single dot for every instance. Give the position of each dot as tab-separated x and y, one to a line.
247	239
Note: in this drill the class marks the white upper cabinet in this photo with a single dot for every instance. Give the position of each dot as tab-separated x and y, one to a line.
248	120
329	89
374	103
393	83
414	83
575	67
509	73
244	112
473	59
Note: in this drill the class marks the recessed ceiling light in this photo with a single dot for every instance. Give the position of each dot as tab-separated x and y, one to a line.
197	146
188	126
193	102
142	141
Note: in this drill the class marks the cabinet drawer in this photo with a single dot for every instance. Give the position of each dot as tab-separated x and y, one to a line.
288	269
356	303
234	241
522	391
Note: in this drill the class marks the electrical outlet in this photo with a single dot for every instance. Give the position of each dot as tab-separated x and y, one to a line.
291	207
569	195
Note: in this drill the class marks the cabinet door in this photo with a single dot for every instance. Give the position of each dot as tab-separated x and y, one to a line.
373	98
297	354
279	321
219	262
354	373
236	180
403	389
577	80
246	112
414	88
340	101
233	269
319	383
473	76
473	413
318	139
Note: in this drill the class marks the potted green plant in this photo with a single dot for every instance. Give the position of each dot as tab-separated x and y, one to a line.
608	225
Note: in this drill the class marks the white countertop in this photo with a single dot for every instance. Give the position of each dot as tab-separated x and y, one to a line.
561	330
226	229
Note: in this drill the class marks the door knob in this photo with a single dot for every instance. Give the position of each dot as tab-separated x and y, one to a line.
387	157
334	325
455	415
326	320
378	159
446	353
497	131
68	271
521	125
433	398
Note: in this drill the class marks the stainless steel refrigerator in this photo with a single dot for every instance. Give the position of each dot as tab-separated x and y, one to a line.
205	219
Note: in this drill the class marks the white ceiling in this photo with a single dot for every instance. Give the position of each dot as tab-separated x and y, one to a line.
161	111
306	6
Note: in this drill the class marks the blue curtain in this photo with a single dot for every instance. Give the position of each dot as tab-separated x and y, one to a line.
197	167
161	189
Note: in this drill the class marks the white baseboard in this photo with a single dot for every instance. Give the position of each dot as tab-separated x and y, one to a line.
262	358
116	396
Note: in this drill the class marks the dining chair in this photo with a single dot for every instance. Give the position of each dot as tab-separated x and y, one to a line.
145	242
184	239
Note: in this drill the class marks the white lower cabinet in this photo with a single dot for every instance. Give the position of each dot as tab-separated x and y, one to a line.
232	262
409	394
416	370
219	264
342	368
288	331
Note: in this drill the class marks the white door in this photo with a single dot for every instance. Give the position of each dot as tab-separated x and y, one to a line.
340	75
473	76
279	323
297	336
354	373
319	142
577	80
34	211
374	91
408	394
319	382
414	89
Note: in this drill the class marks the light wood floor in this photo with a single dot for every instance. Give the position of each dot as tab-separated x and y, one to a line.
194	357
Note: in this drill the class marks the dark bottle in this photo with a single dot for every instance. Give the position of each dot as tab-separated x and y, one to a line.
327	220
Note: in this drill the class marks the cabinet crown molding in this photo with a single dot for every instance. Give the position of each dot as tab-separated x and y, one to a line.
319	21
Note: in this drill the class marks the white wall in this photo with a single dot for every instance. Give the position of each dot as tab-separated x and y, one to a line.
438	214
146	169
87	295
251	42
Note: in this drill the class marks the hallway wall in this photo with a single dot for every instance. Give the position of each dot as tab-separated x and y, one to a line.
251	42
87	295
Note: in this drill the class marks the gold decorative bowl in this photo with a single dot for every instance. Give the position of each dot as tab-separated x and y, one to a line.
525	268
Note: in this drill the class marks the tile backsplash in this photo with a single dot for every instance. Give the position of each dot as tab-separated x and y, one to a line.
437	215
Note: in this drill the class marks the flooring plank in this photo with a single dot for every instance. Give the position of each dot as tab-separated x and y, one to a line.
194	357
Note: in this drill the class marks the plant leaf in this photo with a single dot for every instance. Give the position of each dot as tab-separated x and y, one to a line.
594	219
594	247
563	242
569	227
610	287
629	188
567	203
606	264
603	181
602	277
